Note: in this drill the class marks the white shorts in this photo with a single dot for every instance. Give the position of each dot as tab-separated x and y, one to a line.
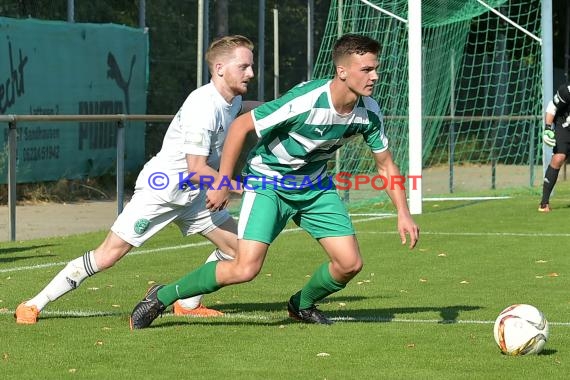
146	214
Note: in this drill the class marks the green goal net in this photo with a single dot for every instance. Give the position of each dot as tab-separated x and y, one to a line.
482	91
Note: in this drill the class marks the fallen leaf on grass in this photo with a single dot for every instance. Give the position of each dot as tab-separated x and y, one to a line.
116	305
553	274
423	279
411	345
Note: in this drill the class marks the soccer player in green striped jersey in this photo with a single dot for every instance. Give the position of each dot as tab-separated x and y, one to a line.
286	180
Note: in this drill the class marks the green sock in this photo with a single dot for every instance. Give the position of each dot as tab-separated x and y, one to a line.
200	281
320	285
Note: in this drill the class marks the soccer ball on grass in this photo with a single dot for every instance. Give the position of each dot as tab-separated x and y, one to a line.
521	330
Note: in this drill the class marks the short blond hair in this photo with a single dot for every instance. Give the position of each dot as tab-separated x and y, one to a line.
225	46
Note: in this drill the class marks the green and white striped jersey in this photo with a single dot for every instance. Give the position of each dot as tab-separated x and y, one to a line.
300	131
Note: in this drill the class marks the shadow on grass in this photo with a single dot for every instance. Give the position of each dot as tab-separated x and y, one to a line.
447	314
248	313
454	207
548	351
255	314
545	352
7	251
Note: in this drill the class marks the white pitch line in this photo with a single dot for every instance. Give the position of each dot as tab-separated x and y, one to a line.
440	199
258	317
521	234
175	247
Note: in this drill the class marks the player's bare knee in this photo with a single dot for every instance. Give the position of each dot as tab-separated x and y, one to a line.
354	269
557	161
348	268
107	258
246	273
357	267
105	263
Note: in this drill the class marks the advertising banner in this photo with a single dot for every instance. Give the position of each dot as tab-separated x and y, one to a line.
60	68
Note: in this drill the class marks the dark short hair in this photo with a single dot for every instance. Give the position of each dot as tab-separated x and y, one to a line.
354	44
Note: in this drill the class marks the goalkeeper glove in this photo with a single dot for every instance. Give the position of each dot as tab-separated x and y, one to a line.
548	136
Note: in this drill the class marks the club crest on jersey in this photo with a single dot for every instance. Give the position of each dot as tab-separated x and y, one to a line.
141	226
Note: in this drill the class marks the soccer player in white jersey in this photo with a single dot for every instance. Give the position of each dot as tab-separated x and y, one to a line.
167	189
298	133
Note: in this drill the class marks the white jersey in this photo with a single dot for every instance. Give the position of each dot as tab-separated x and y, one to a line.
199	128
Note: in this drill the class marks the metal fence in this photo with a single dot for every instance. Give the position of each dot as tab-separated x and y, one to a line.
120	120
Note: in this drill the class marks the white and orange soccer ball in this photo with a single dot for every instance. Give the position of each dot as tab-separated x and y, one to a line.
521	330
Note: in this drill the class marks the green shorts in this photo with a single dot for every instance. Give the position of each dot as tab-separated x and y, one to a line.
265	213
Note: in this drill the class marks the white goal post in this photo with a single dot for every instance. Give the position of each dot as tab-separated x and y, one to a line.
416	120
415	82
415	97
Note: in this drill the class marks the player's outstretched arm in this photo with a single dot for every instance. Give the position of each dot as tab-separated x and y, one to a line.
397	193
217	197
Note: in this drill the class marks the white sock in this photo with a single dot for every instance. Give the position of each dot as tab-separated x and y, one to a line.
66	280
194	302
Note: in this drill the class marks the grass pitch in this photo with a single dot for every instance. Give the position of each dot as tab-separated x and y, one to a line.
427	313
